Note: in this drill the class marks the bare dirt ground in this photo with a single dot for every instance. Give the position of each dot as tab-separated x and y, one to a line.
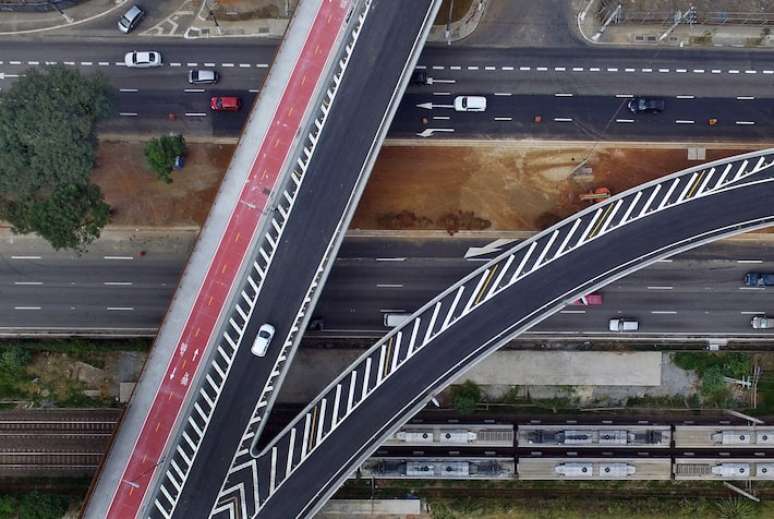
139	199
512	188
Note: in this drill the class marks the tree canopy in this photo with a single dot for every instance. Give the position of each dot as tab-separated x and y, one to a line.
161	153
47	149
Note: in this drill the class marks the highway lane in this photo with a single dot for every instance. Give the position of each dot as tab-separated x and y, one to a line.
374	275
574	90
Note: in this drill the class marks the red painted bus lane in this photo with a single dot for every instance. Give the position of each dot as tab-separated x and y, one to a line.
242	225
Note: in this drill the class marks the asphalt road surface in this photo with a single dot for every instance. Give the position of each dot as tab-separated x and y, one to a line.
578	92
109	291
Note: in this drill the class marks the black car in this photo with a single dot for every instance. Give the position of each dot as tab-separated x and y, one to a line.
419	77
646	105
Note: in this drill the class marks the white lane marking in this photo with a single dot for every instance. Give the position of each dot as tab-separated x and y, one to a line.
14	62
193	90
733	71
503	118
390	259
120	308
227	65
624	120
490	68
389	285
698	71
659	288
191	64
441	93
684	121
768	71
572	311
441	117
421	67
663	312
195	114
25	257
32	283
663	70
244	65
752	313
33	63
559	69
264	65
104	64
750	261
507	68
128	90
455	67
26	308
469	68
253	90
577	69
593	69
664	261
630	70
86	63
681	70
745	98
439	67
503	94
175	64
209	64
750	71
647	70
624	95
685	97
525	68
716	71
541	69
612	69
71	63
563	119
745	123
118	257
563	95
118	283
128	114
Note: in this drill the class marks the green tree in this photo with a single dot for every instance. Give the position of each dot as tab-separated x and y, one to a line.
160	154
36	505
465	397
7	507
47	149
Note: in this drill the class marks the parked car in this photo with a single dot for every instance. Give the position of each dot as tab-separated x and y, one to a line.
263	340
762	321
759	279
419	77
646	105
203	77
143	59
130	19
623	324
594	298
470	103
225	104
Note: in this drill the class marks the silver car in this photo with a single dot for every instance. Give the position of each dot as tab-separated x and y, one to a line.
142	59
262	340
762	321
203	77
130	19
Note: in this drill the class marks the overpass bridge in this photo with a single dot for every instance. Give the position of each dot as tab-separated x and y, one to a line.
264	254
301	467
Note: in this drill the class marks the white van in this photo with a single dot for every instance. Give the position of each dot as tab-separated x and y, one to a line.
393	320
624	324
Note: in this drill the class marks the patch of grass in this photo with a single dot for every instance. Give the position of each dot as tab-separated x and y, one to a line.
732	364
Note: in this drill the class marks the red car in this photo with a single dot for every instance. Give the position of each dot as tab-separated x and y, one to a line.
225	104
589	299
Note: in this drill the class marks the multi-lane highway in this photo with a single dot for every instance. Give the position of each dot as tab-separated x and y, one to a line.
698	292
577	92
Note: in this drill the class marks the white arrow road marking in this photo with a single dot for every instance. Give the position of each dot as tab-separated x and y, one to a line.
489	248
430	106
431	81
430	131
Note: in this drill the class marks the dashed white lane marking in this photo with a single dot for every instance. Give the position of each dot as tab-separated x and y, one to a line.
745	98
507	68
751	288
490	68
563	95
663	312
593	69
196	114
503	94
768	71
15	62
750	71
441	93
572	311
71	63
470	68
253	90
227	65
503	118
624	120
624	95
191	64
194	90
118	283
441	117
559	69
175	64
733	71
665	261
685	97
30	283
121	258
659	288
128	90
716	71
681	70
421	67
612	69
120	308
745	123
684	121
390	259
104	63
25	257
749	261
209	64
663	70
577	69
33	63
563	119
541	69
752	313
647	70
244	65
26	308
120	64
698	71
455	67
389	285
87	63
437	67
630	70
262	65
128	114
525	69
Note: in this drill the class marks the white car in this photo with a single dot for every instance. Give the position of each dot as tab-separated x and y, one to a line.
143	59
470	103
262	340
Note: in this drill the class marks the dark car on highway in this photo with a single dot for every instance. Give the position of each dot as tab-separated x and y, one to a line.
647	105
759	279
419	77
